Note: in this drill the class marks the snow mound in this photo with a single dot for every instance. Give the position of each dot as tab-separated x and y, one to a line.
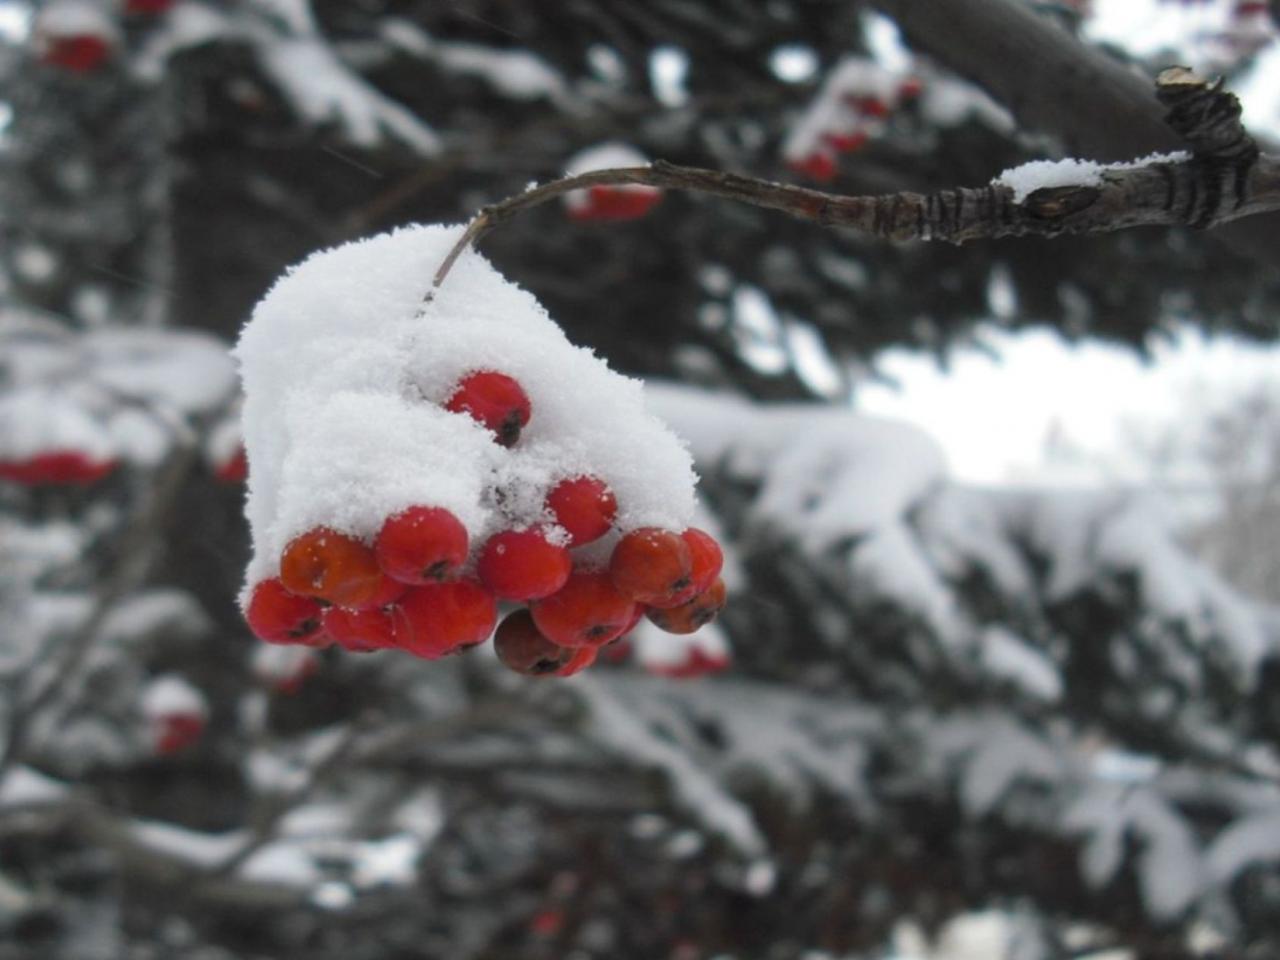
345	371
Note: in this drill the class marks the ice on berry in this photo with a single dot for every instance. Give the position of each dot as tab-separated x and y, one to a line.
346	369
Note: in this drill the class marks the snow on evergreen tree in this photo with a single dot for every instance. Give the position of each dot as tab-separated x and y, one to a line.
933	718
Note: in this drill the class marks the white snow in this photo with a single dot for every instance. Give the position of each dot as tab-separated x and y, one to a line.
344	371
1245	843
67	18
111	394
37	420
170	695
659	651
323	90
515	73
22	786
830	111
207	850
693	787
1008	656
826	474
1038	174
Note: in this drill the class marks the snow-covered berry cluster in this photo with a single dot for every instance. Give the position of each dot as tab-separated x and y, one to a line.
850	109
414	465
76	410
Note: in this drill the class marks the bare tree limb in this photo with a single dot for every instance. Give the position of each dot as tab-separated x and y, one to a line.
1053	82
1161	193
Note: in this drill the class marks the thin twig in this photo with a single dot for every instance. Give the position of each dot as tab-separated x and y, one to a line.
1159	193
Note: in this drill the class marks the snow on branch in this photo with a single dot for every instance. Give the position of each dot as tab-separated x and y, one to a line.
1223	178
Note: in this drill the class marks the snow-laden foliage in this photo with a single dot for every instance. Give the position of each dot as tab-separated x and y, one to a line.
937	721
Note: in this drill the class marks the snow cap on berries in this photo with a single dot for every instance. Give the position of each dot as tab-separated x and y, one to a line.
346	372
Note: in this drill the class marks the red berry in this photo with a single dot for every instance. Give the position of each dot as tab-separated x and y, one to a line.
278	616
496	401
588	611
421	545
636	615
177	731
692	614
442	618
582	658
523	565
522	648
911	88
652	566
610	203
818	165
56	467
705	556
847	142
584	506
235	469
388	592
332	566
361	630
868	106
79	53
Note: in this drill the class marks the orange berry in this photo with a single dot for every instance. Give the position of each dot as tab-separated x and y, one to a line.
652	566
332	566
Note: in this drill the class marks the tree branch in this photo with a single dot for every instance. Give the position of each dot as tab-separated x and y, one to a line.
1053	82
1191	192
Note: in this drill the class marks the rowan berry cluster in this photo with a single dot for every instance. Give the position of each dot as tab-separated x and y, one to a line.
421	584
82	37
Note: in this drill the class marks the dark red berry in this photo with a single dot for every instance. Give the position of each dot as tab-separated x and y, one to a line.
521	647
494	400
79	53
523	565
177	731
